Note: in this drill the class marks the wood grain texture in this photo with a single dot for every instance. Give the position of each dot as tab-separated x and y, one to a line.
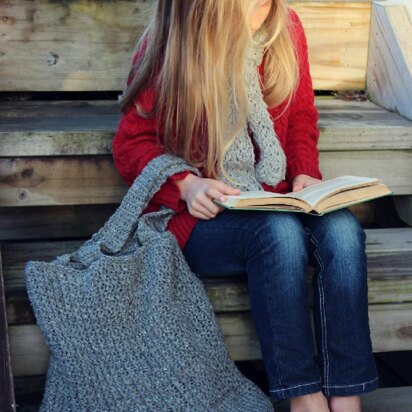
69	45
389	253
394	167
404	208
357	136
73	221
7	403
81	221
391	330
58	127
87	127
380	400
78	45
337	35
78	180
60	181
389	70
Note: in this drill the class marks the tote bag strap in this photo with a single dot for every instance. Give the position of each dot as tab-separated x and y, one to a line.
117	230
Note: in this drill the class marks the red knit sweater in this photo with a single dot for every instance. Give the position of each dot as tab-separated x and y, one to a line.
136	142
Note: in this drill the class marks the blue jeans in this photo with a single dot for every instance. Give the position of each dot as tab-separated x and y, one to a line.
275	249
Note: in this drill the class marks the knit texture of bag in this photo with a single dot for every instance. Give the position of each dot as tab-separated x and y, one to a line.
128	325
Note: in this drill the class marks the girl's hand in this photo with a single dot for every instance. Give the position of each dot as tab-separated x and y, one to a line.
198	193
301	181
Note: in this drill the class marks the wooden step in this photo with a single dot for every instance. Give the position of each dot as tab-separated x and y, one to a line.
38	56
6	377
389	76
389	253
390	300
380	400
81	221
391	327
74	155
64	128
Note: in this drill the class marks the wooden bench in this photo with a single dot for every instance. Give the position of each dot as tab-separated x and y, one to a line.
55	154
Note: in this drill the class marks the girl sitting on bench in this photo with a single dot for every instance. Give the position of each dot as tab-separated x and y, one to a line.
225	84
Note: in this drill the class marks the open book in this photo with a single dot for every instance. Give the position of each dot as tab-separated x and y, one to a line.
318	199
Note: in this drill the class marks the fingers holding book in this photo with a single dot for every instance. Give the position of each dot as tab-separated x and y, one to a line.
301	181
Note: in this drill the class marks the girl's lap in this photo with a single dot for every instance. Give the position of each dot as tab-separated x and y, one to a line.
221	246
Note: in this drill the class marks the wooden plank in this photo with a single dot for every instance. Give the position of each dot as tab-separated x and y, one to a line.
78	179
388	399
74	221
81	221
349	125
404	208
389	254
87	127
29	352
67	46
60	181
380	400
394	167
24	385
389	70
83	45
57	127
337	35
391	330
7	402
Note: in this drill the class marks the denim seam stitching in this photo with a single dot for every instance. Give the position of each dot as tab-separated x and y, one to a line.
294	387
322	308
348	386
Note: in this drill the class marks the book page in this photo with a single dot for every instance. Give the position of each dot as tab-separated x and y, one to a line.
315	193
232	200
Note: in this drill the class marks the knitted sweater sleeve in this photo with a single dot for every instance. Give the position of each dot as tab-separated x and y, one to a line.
135	144
302	132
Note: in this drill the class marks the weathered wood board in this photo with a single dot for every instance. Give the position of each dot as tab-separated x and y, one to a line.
78	180
391	330
380	400
60	181
355	136
389	253
56	128
404	207
394	167
7	403
78	221
81	221
78	45
389	71
337	35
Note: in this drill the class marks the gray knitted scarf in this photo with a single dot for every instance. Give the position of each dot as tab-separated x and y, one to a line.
239	159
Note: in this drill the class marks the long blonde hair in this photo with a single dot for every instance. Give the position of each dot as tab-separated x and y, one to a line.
193	49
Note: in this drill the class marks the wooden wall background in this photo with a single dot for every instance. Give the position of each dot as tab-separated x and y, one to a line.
82	45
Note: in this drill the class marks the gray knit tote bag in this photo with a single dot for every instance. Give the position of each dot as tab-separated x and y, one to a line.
128	325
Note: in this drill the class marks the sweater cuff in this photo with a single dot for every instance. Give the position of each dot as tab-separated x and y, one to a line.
169	194
301	167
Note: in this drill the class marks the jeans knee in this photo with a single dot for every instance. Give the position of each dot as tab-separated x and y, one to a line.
279	256
340	244
344	234
281	236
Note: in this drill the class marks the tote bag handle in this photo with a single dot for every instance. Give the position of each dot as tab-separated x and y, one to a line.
117	230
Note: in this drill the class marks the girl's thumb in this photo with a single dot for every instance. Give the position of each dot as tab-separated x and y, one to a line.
297	187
